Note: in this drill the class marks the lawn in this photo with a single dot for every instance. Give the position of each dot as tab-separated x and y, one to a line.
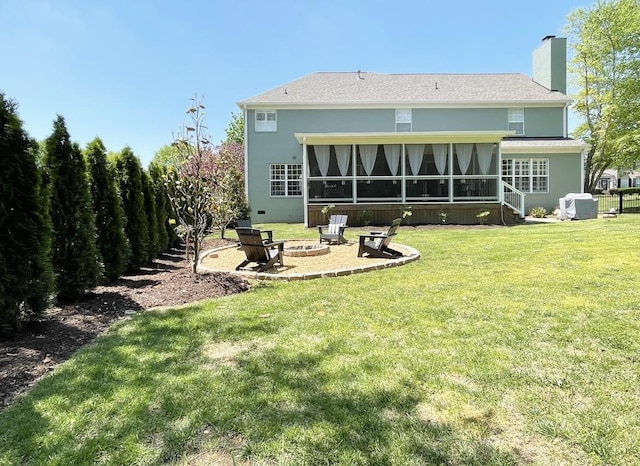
514	345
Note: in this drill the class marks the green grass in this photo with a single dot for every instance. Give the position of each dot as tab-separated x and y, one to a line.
500	346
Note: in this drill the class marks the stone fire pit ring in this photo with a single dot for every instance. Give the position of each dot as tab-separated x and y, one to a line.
306	250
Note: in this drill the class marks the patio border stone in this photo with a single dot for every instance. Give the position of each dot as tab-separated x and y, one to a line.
413	254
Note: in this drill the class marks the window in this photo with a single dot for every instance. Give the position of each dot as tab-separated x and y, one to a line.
266	121
527	175
285	179
403	120
516	120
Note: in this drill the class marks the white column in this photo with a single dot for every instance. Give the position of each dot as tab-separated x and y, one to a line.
305	187
499	183
403	170
354	182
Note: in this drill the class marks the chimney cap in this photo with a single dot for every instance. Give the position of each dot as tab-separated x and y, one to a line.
546	38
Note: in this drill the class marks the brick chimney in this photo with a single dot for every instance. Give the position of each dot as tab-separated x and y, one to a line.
550	64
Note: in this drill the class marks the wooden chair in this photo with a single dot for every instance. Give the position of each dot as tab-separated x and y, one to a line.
265	254
376	243
246	223
334	232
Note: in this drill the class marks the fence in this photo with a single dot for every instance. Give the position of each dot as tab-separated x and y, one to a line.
620	201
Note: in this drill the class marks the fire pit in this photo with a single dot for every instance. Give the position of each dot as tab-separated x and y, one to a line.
304	250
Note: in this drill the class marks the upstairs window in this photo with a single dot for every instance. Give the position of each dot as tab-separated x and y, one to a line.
516	120
266	121
403	120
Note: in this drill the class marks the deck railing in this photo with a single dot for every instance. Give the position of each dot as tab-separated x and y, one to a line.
513	198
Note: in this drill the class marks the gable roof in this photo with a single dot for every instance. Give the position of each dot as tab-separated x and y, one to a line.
360	89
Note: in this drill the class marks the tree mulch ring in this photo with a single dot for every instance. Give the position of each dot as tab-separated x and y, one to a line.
32	353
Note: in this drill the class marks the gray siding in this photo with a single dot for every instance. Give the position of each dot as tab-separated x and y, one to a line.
459	119
564	178
266	148
544	122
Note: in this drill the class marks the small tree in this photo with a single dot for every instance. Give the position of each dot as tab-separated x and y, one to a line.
75	255
25	261
128	175
110	237
192	186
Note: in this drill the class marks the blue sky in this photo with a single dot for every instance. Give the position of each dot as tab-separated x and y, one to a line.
124	70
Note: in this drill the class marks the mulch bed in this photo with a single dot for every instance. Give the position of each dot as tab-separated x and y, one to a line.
39	348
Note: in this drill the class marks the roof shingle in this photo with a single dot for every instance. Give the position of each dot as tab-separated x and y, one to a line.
352	88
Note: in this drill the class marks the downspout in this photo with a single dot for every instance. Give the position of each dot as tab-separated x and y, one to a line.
565	121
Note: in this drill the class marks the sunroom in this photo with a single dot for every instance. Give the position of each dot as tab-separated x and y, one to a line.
385	172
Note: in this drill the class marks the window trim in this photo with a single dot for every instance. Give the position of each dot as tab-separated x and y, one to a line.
264	125
516	115
289	175
531	176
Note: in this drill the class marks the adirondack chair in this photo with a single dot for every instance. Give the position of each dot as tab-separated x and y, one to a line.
264	254
246	223
334	232
376	243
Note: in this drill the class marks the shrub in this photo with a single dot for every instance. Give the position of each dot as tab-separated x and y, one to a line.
25	261
365	217
110	237
129	178
483	217
75	253
538	212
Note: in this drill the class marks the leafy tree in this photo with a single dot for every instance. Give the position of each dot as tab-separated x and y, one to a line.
153	246
606	69
110	237
25	262
230	199
128	175
75	255
167	156
235	130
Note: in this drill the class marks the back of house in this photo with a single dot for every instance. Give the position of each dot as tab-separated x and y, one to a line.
455	143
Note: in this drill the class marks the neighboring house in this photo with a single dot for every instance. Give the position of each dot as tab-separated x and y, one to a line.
612	179
440	143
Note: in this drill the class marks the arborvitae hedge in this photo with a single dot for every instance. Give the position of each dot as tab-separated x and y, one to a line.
75	255
111	240
128	170
153	247
162	205
25	262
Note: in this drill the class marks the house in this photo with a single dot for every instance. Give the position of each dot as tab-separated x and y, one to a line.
612	179
453	144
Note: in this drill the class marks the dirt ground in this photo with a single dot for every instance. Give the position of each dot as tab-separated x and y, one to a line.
168	281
